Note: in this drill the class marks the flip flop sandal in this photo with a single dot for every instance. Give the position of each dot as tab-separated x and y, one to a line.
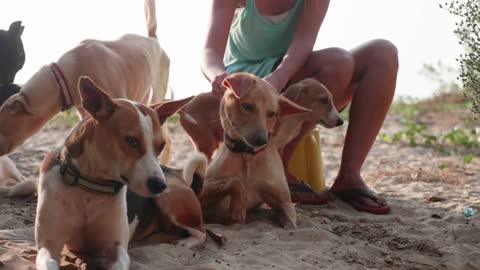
304	194
351	197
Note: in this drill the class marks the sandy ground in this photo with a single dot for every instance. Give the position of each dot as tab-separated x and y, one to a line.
426	229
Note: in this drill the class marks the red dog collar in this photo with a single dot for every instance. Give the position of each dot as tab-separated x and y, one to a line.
62	86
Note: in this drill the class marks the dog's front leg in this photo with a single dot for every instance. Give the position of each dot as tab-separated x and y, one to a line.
278	198
217	189
48	259
123	260
53	227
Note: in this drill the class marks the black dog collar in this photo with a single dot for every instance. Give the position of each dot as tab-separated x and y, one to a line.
239	146
71	175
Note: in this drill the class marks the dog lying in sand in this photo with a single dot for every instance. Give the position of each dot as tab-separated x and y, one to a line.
132	67
83	185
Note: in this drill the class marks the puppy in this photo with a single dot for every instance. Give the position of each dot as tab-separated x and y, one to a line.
132	67
313	95
82	187
245	172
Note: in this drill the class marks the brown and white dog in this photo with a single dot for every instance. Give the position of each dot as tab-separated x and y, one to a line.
82	187
132	67
245	173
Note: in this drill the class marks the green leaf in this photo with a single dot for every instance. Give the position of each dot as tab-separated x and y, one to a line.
468	158
443	166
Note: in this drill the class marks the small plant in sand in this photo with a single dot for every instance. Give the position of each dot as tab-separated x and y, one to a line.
468	32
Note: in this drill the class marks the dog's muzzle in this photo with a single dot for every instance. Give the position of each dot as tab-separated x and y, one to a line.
156	185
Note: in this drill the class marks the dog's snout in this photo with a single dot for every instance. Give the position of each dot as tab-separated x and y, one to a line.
156	185
339	122
260	140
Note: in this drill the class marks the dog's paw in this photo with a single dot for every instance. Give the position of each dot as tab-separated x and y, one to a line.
239	213
287	224
287	216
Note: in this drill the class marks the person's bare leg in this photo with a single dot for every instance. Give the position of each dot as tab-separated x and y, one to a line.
375	75
371	92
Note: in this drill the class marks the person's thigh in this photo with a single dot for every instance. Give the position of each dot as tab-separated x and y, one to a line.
333	67
342	71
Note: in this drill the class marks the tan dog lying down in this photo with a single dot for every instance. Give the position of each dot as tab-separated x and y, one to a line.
132	67
241	178
246	171
11	178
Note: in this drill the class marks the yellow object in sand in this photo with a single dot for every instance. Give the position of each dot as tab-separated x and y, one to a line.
306	163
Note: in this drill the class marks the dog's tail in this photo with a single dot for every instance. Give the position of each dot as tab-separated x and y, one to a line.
194	172
151	17
24	188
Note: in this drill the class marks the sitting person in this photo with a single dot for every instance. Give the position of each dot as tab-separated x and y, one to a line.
274	39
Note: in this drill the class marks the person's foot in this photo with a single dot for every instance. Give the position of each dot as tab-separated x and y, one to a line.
354	191
303	193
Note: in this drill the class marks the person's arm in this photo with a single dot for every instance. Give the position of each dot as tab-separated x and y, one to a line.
306	32
221	17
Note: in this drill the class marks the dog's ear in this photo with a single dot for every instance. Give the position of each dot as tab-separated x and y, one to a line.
16	29
294	91
94	100
288	107
17	104
240	83
168	108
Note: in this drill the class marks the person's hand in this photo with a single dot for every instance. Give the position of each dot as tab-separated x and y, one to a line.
217	84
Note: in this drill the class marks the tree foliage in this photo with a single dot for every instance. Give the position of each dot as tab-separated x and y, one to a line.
468	32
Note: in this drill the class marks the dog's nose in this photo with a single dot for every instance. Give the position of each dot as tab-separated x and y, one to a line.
156	185
259	140
339	122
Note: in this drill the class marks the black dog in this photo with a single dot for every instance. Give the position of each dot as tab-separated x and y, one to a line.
12	58
12	54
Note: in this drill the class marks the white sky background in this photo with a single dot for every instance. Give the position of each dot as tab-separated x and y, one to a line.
421	30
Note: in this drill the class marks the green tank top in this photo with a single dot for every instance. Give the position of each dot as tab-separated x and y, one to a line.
255	44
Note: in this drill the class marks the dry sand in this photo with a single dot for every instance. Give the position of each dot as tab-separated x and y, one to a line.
420	233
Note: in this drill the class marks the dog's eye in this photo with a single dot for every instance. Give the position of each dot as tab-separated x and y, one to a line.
248	107
132	141
271	114
324	100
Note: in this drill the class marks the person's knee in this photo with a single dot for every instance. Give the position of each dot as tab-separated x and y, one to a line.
339	66
384	55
